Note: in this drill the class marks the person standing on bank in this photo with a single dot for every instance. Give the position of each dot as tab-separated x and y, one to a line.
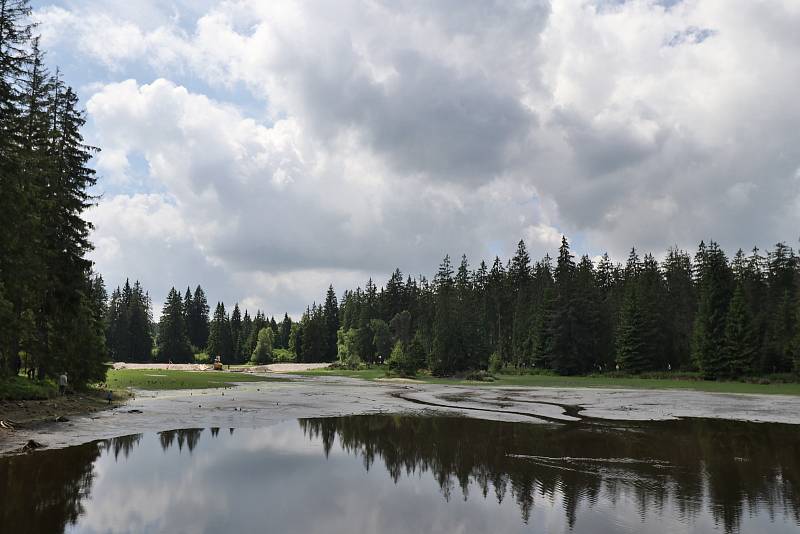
62	384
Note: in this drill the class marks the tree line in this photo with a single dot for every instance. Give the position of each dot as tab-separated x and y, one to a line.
726	318
185	328
51	303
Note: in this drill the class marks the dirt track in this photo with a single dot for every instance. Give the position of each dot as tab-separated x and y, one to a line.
260	404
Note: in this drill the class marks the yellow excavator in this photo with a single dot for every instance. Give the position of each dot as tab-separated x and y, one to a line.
218	364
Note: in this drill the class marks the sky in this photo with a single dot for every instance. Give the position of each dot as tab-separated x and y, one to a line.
268	149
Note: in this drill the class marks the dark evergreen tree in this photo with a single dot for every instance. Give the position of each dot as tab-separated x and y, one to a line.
382	339
520	279
173	341
140	325
587	320
237	342
714	288
564	324
220	340
286	332
679	307
197	320
740	347
781	324
632	354
118	332
498	315
394	297
313	346
444	356
609	304
246	347
187	307
331	320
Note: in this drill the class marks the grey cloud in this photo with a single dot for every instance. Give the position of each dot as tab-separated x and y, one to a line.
426	118
601	150
478	17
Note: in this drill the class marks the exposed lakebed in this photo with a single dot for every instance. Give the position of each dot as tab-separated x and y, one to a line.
397	474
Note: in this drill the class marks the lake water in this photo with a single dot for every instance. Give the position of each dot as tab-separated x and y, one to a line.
398	474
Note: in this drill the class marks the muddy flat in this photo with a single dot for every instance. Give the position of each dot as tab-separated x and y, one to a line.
259	404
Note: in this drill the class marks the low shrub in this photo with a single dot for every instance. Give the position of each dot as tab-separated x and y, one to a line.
479	376
282	355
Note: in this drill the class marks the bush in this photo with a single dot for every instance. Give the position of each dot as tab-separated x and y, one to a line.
201	357
401	361
495	363
283	355
21	388
262	354
479	376
347	353
352	362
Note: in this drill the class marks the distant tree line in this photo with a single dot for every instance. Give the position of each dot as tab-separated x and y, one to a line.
52	306
724	318
185	328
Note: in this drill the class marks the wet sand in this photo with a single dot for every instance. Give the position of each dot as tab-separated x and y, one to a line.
260	404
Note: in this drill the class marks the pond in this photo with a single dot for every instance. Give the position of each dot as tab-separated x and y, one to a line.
405	474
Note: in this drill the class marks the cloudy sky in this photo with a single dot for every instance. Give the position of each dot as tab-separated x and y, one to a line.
265	149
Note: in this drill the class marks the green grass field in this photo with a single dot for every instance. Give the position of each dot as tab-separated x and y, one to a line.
21	388
168	379
581	381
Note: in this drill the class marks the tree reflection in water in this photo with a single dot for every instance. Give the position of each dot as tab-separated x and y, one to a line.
684	470
44	492
730	467
189	437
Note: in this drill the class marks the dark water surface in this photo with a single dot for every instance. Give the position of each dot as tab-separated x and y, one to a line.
397	474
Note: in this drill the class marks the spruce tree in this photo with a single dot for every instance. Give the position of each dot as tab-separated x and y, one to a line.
220	342
394	297
632	354
443	356
543	330
331	320
286	331
679	306
236	335
382	339
565	357
587	321
140	321
173	342
246	337
188	304
780	320
519	275
197	320
609	304
740	343
714	288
